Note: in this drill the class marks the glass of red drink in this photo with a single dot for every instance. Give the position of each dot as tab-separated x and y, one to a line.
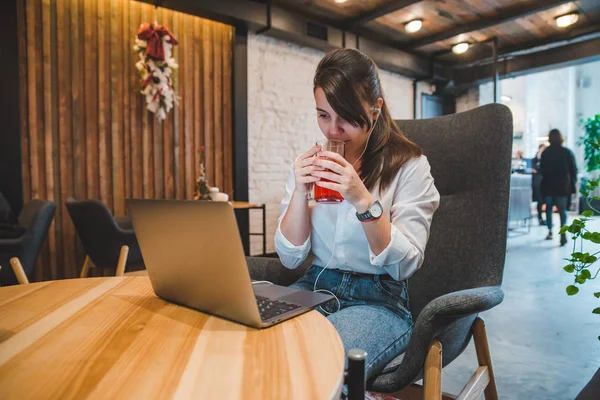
324	195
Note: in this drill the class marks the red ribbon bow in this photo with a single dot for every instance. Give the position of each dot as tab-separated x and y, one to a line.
154	35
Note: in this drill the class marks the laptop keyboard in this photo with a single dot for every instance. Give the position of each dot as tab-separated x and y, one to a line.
270	308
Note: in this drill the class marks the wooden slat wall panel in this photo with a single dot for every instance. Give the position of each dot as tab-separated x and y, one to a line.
86	131
179	122
218	111
65	132
227	111
127	76
198	112
208	99
169	145
188	104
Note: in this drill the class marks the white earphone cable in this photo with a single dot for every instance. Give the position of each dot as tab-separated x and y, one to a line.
315	290
368	137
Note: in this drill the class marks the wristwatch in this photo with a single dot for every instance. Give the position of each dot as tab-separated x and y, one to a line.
374	211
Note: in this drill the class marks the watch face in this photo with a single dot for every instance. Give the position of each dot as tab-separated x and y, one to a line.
376	209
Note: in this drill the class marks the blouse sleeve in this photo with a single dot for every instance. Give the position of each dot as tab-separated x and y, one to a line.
415	200
290	255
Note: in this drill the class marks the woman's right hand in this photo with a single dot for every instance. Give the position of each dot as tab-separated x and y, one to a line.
302	169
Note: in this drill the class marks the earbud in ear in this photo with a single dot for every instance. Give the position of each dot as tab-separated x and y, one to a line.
378	111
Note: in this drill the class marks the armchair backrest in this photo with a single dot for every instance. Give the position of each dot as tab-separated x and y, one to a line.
36	217
98	231
470	155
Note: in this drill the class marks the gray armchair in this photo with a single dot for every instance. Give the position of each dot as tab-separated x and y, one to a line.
470	156
109	242
21	252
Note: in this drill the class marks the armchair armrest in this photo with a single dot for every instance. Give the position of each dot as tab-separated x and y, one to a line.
448	319
271	269
11	248
460	303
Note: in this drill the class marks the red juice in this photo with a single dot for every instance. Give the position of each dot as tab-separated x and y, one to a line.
321	194
325	195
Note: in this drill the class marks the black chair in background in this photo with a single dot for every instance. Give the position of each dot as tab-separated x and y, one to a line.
22	252
108	242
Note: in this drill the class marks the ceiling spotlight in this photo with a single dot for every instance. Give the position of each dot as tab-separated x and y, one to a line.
413	26
567	20
460	48
505	98
340	1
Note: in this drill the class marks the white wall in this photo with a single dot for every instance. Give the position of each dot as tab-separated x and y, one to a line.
541	102
282	119
486	93
468	100
519	103
587	101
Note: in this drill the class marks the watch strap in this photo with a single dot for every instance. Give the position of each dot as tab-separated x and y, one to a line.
366	216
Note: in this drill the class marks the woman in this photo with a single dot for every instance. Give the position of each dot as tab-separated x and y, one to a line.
367	246
536	180
559	174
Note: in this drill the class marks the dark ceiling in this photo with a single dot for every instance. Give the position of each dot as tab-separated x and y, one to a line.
518	25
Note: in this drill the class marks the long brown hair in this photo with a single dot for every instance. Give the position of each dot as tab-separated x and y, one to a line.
349	78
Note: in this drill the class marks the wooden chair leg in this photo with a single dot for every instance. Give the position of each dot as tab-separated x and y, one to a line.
483	357
19	271
86	267
432	375
122	261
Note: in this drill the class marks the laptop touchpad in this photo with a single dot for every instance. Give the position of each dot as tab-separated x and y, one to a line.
272	291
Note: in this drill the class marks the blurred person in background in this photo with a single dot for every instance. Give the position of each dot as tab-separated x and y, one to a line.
536	182
559	174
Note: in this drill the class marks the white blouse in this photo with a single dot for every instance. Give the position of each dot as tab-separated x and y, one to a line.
409	203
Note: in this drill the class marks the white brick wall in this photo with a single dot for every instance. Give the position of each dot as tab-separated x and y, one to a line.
468	100
282	119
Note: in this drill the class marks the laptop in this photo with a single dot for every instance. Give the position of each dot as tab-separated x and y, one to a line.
194	257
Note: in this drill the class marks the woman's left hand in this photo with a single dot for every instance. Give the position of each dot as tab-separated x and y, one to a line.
343	178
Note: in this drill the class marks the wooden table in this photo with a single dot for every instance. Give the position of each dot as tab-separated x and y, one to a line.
113	338
244	205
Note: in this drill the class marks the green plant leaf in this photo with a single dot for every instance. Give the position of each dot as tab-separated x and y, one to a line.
569	268
597	294
596	310
588	213
578	255
595	237
572	290
580	279
587	235
585	274
563	229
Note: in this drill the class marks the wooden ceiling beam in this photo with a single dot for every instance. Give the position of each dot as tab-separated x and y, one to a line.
557	57
388	8
509	14
589	32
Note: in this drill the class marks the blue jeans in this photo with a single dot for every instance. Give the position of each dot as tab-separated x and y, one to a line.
373	313
561	203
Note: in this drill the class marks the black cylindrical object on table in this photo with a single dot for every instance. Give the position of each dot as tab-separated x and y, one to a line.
355	378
